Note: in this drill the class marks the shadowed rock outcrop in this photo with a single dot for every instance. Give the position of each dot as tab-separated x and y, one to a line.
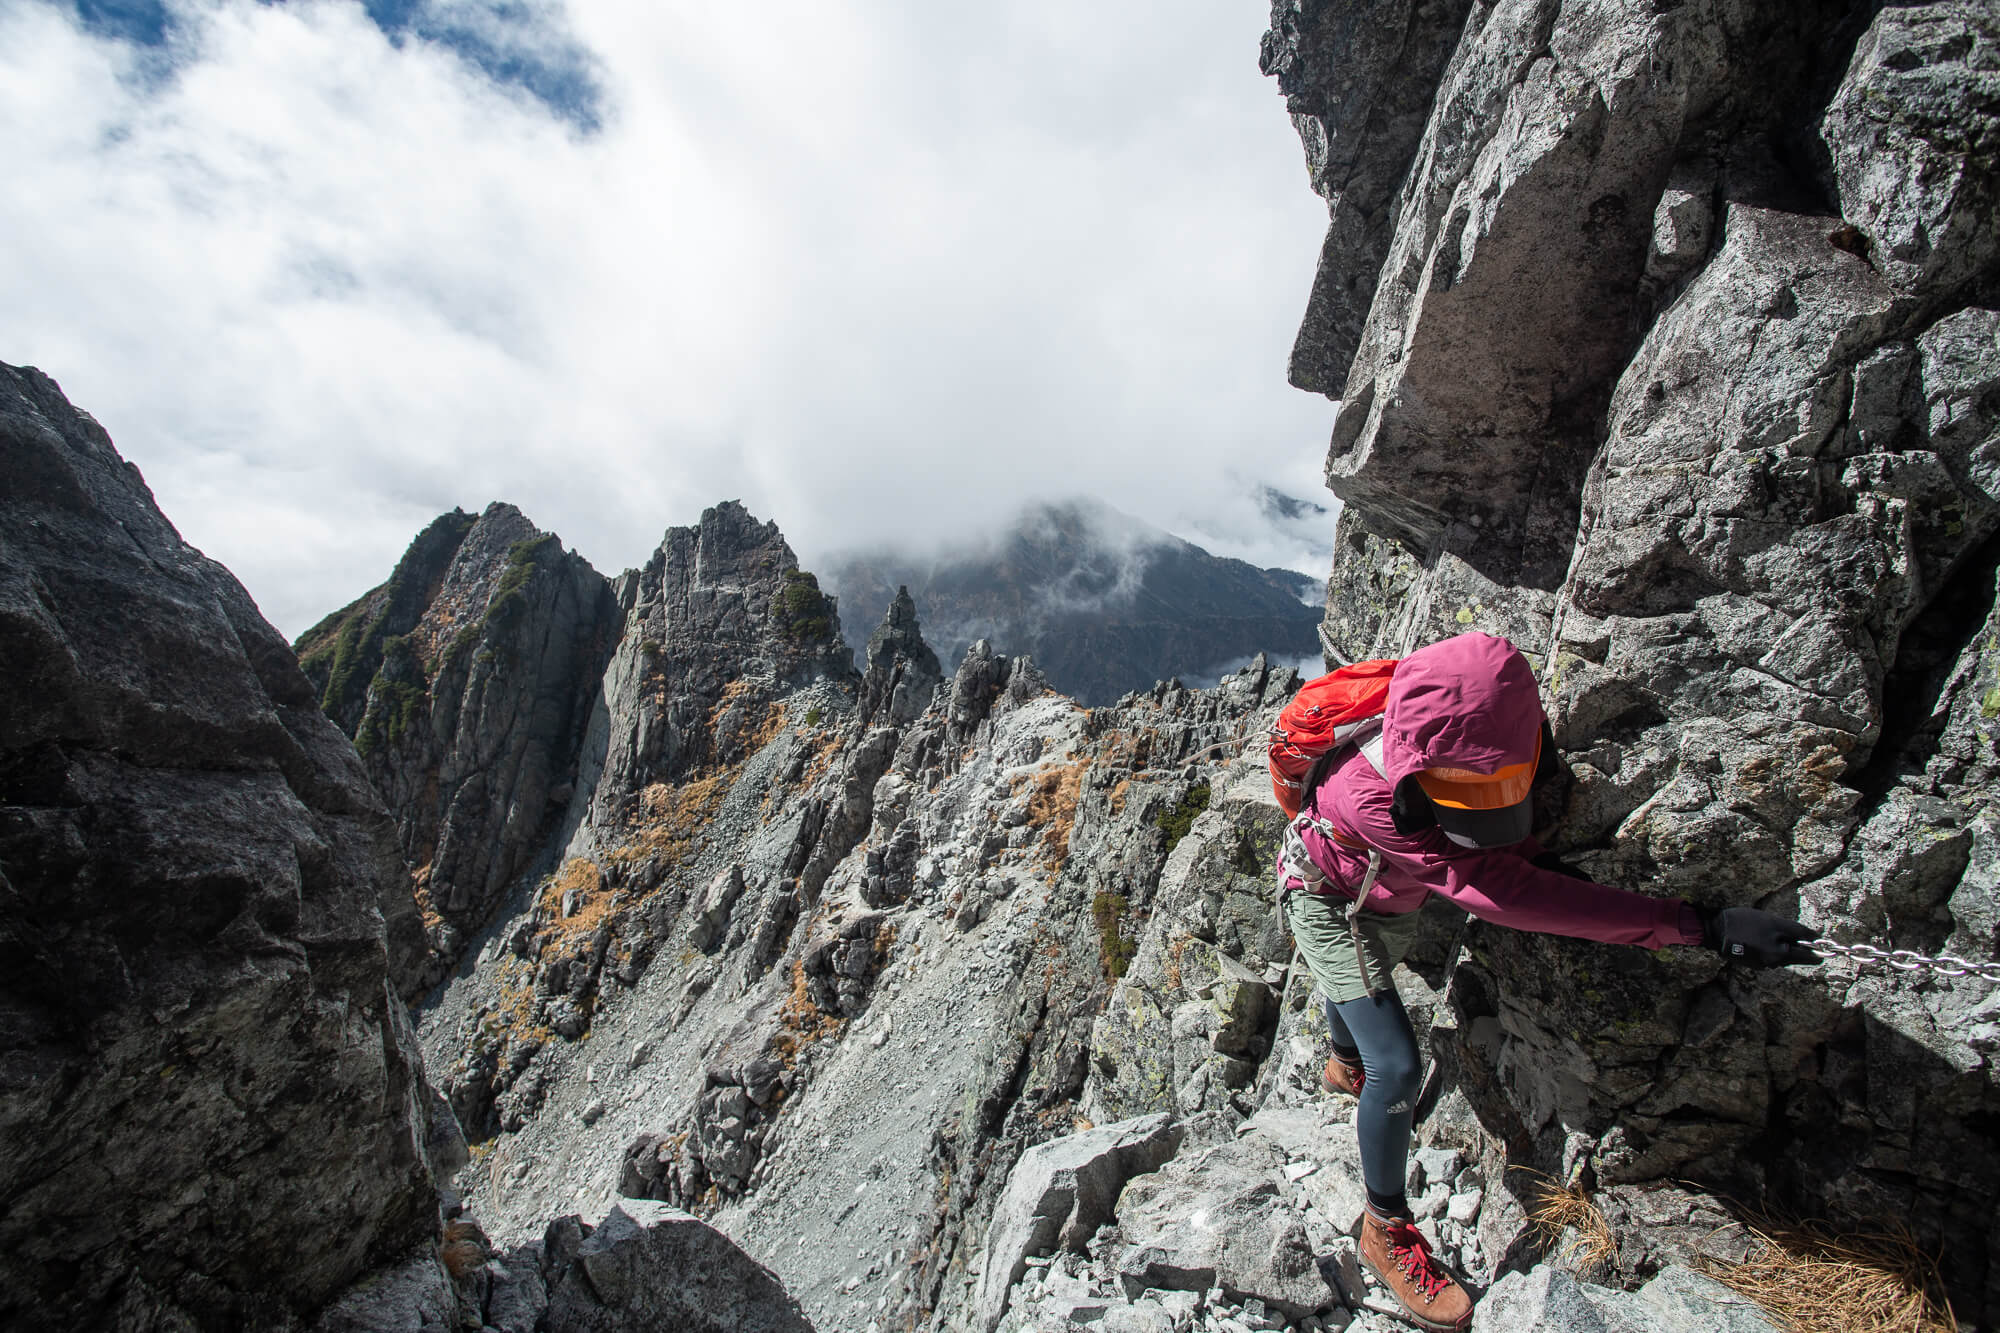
651	1266
464	682
211	1110
1679	370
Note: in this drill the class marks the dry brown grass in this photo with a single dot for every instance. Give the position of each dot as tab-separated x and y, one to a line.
1052	807
1812	1280
420	889
516	1018
463	1249
767	730
1564	1215
822	761
803	1021
1118	794
1130	749
581	876
671	816
753	736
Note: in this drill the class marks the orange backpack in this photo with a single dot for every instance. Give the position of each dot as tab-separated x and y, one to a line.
1324	715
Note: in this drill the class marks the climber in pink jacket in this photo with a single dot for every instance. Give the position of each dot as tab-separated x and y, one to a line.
1437	801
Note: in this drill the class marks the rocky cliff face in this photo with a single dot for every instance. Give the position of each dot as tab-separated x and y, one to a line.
465	683
1104	604
211	1110
1667	346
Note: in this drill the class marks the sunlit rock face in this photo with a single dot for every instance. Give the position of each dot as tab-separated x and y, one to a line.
1673	355
211	1113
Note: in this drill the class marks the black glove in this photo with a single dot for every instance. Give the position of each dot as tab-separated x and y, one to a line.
1761	939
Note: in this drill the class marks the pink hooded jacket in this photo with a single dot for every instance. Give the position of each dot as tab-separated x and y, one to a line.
1469	702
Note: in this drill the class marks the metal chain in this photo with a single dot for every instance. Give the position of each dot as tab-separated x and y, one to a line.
1907	960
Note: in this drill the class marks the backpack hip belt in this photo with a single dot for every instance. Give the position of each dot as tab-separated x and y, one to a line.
1297	863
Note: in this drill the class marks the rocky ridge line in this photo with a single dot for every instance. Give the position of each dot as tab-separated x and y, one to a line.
1104	603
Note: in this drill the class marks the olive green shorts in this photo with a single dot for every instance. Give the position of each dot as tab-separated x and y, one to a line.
1319	926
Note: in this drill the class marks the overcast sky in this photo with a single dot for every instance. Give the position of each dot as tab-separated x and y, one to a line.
883	271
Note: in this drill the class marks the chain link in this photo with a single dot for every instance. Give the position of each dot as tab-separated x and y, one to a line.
1907	960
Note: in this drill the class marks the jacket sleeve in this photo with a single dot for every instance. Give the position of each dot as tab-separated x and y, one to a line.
1501	886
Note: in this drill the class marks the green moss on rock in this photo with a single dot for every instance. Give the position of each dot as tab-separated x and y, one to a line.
1107	909
802	613
510	599
1176	820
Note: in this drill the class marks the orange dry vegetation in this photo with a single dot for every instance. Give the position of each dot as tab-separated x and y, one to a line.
420	889
821	761
581	876
1118	795
1133	749
1810	1279
462	1248
671	816
1052	808
753	738
803	1021
1559	1211
517	1017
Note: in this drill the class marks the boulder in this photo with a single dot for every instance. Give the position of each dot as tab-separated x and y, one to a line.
413	1297
1914	133
1677	1301
1059	1193
1220	1217
650	1265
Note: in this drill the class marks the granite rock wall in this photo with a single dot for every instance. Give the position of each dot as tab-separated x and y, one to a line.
212	1112
1679	368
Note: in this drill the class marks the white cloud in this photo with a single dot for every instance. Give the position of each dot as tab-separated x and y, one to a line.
879	270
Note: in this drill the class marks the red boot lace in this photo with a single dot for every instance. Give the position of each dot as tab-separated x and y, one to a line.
1412	1254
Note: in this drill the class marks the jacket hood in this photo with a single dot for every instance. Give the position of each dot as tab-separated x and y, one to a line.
1467	702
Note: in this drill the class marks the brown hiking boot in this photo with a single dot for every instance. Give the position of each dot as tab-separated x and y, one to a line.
1343	1076
1401	1259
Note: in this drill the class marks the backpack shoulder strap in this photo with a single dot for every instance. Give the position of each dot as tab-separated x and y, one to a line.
1370	745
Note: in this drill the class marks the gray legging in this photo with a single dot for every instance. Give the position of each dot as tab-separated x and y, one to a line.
1378	1027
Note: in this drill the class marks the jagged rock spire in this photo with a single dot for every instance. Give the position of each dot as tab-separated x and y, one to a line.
902	672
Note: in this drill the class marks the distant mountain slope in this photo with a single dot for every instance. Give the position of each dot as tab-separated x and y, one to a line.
1105	604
